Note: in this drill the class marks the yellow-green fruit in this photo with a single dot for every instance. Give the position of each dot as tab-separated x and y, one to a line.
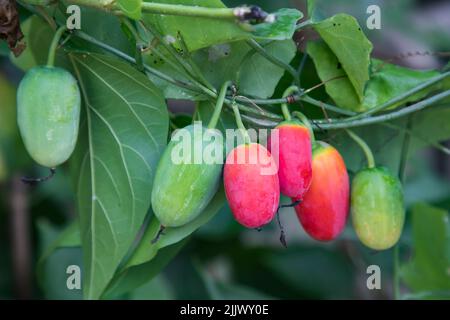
48	114
377	208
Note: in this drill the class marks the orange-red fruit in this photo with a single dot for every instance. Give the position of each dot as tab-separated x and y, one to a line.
292	152
325	206
251	185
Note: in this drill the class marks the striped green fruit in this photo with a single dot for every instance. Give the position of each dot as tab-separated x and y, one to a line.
183	188
48	114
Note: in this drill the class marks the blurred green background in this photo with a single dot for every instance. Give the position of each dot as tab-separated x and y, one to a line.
222	260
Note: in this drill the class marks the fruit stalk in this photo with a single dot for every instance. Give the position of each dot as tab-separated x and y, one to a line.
219	104
364	147
239	123
54	46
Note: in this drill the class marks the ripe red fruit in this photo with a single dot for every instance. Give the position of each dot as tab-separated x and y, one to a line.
251	185
325	206
292	152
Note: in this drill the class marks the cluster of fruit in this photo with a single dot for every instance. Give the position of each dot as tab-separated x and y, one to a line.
313	174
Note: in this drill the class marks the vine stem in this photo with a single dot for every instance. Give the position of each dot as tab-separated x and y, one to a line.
349	123
343	124
402	97
219	104
326	124
364	147
162	8
54	46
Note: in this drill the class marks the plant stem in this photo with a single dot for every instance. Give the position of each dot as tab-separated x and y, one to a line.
326	106
191	11
306	122
239	123
163	9
219	104
256	46
342	124
364	147
402	97
346	123
54	46
284	106
186	66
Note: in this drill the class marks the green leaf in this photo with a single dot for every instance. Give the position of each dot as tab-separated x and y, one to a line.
109	31
68	238
62	249
156	289
282	29
257	76
221	62
123	133
196	32
254	74
235	61
386	82
428	270
328	67
133	277
131	8
146	250
149	259
345	38
164	64
430	126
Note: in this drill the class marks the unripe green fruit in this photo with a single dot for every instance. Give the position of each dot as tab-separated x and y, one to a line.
182	190
377	208
48	114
